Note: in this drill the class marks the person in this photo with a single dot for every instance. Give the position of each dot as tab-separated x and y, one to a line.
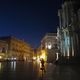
42	64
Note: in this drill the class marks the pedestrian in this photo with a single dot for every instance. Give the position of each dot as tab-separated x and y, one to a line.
42	64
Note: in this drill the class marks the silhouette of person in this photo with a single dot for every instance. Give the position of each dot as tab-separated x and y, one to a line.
42	64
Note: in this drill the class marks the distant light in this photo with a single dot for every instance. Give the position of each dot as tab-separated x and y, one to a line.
38	59
34	58
0	57
49	46
13	58
57	56
42	56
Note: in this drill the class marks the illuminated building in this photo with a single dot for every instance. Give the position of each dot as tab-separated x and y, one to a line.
35	55
38	52
47	48
3	50
18	49
68	32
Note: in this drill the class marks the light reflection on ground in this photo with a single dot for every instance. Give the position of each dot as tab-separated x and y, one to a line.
23	70
13	65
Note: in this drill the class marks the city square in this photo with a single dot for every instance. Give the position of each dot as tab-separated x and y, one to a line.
40	40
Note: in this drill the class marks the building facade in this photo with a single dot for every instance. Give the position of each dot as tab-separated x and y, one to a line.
68	32
18	49
38	52
3	50
48	44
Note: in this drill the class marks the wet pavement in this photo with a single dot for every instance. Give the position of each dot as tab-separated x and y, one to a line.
22	70
62	72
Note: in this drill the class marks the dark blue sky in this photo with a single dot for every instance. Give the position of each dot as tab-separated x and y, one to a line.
28	19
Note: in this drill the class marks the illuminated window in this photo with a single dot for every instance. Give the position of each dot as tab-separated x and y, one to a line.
49	45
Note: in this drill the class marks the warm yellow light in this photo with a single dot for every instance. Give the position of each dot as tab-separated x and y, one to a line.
43	55
0	57
34	58
43	51
38	59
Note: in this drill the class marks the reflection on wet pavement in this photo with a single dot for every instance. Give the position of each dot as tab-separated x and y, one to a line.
22	70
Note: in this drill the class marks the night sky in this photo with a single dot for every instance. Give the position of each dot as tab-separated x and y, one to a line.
29	20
